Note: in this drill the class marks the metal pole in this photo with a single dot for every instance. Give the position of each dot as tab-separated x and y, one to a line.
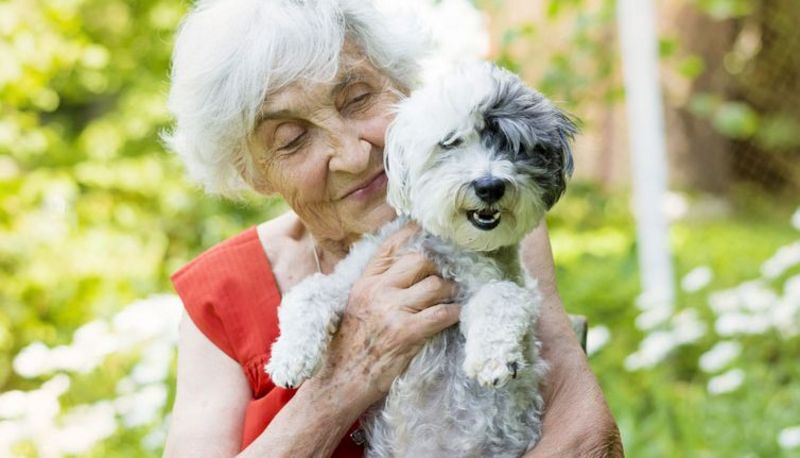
639	41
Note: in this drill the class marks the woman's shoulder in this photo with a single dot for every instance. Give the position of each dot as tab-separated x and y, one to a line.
287	245
229	288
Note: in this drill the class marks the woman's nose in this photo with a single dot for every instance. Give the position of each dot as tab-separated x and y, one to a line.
351	155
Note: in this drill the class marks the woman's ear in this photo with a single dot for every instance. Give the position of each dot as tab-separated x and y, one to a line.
394	162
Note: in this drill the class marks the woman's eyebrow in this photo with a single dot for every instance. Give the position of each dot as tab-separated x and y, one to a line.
347	79
277	114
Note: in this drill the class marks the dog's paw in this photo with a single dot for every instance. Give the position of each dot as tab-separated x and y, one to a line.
493	369
288	369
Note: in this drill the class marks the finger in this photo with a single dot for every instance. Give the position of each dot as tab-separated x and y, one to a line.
429	291
410	269
435	319
387	250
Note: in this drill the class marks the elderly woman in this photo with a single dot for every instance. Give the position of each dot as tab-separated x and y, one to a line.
293	98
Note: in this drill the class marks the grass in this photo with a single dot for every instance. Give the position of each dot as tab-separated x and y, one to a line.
666	410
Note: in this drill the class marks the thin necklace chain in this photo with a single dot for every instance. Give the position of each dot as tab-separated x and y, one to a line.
316	255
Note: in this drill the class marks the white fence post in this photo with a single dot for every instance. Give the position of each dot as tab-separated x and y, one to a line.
639	41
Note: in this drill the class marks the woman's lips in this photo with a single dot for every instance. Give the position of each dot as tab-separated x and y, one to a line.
367	191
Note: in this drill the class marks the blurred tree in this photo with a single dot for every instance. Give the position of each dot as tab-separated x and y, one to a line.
94	214
741	124
704	156
769	83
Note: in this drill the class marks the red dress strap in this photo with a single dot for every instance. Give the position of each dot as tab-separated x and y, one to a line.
231	295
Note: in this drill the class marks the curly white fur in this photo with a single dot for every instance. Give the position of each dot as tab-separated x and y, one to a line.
473	390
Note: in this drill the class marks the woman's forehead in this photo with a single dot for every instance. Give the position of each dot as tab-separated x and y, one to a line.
305	94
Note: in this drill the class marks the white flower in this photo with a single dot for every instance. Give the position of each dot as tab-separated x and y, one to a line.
96	339
740	323
675	205
70	358
651	299
727	382
32	361
155	317
57	385
724	301
653	317
789	438
154	363
755	296
158	435
652	350
83	427
796	219
596	338
687	327
697	279
791	289
786	316
720	356
10	433
12	404
143	406
785	258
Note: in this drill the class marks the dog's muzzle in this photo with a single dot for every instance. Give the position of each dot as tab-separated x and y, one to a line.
485	220
489	190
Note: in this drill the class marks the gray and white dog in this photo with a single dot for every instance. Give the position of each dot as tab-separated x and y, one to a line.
476	159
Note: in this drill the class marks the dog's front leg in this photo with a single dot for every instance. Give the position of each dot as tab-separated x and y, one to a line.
495	322
309	315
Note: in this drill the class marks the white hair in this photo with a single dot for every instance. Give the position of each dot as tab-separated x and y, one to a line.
231	54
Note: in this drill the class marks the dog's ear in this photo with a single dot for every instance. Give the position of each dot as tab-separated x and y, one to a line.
522	122
561	140
396	167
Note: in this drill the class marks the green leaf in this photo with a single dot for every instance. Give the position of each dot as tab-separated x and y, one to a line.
667	46
736	120
691	67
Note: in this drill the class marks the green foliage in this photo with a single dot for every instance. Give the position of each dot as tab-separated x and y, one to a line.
726	9
582	69
94	214
667	410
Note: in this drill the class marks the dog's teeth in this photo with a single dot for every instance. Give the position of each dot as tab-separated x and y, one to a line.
488	217
484	219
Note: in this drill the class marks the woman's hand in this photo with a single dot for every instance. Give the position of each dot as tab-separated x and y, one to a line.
399	301
577	420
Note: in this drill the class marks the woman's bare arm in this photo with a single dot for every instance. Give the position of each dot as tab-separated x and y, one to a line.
212	394
577	420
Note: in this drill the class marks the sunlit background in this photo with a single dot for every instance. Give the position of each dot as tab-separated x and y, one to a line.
95	215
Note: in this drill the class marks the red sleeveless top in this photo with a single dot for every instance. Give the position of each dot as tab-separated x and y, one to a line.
231	295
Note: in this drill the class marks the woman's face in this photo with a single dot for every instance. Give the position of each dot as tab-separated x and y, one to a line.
320	146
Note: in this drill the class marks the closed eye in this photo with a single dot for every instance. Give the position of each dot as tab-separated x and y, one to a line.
451	142
293	143
289	135
361	98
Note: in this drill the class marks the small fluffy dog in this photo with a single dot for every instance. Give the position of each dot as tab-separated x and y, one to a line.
476	159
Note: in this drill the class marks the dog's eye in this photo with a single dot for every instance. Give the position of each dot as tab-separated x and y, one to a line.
451	142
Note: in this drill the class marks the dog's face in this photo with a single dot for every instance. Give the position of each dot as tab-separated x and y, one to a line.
477	157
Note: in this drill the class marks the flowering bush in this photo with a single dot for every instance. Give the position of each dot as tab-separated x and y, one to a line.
142	337
694	377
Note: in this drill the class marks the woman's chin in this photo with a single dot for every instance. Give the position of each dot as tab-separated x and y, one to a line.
375	217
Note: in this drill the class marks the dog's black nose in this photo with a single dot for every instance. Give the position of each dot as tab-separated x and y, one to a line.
489	189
